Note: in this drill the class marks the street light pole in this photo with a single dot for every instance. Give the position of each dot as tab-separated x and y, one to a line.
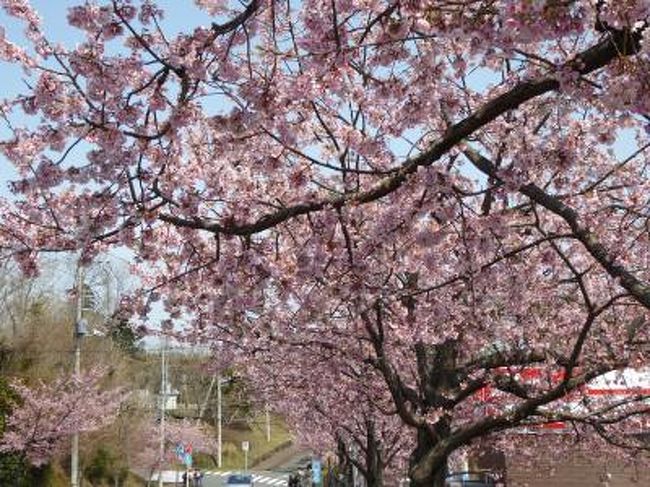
74	455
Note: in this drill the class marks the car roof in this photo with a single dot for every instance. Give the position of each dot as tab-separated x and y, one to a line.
240	478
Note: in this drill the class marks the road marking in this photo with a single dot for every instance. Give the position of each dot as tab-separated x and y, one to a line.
264	480
274	479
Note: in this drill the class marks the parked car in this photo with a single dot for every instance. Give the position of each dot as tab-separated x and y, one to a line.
240	480
470	479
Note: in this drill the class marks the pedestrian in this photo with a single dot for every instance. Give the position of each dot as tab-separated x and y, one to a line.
198	478
298	478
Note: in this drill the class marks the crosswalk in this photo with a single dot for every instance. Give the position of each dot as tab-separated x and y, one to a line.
271	479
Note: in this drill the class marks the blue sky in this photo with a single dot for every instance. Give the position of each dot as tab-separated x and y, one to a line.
180	15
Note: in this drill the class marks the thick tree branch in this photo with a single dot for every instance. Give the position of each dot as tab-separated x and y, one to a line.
638	289
402	395
613	46
507	358
438	455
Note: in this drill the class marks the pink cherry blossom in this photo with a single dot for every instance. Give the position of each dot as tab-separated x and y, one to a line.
48	414
396	211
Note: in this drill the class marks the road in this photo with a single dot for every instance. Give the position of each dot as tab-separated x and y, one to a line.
218	479
273	472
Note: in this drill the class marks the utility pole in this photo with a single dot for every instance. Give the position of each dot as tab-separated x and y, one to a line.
216	379
204	405
268	423
163	397
78	333
219	448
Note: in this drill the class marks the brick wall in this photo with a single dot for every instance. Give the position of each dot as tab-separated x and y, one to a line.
577	472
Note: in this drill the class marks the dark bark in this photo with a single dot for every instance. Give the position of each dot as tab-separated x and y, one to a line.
345	466
369	458
374	472
425	443
439	381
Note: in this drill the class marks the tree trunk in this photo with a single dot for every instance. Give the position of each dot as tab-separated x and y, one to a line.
374	473
436	479
375	478
345	466
438	380
425	443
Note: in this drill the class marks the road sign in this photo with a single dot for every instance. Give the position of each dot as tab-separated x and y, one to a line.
180	451
245	446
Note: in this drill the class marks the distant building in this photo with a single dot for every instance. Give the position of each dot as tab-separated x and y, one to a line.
169	396
146	400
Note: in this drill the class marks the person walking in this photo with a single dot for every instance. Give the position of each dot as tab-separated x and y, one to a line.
198	478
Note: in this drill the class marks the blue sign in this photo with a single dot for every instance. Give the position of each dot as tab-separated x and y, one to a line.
180	452
316	473
187	460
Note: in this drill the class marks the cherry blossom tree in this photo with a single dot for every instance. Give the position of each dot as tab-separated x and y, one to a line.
48	414
177	432
440	182
334	404
192	433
